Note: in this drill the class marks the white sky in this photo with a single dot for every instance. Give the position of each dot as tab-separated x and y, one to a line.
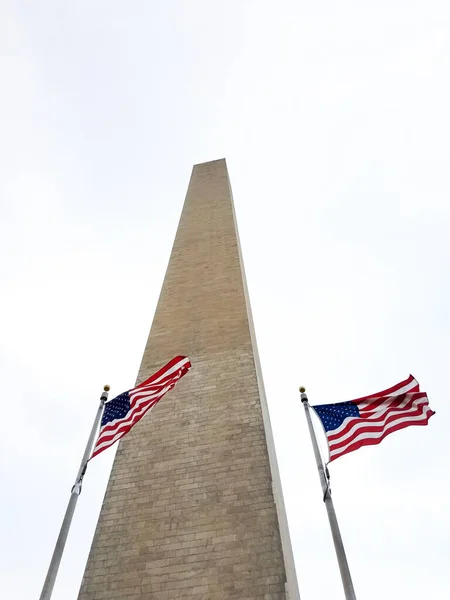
334	119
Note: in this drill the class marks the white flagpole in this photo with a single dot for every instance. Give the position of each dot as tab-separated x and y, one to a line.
76	491
337	539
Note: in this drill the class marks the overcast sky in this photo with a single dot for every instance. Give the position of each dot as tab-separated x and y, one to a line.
334	119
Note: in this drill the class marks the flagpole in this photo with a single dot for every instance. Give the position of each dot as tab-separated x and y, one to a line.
337	539
76	491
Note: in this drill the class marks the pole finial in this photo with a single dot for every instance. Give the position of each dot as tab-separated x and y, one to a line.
301	389
106	388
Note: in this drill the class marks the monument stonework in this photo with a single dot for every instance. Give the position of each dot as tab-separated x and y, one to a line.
193	507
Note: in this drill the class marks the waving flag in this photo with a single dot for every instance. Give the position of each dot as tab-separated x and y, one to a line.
367	421
126	410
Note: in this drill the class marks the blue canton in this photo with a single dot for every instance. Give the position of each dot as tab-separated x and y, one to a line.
333	415
117	408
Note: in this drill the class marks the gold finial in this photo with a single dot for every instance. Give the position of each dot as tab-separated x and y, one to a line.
106	388
302	390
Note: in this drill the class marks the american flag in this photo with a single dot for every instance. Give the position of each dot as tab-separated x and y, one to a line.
367	421
124	411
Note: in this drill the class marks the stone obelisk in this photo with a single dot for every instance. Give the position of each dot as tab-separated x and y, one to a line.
194	508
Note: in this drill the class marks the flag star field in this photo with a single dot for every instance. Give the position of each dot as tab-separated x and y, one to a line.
117	408
333	415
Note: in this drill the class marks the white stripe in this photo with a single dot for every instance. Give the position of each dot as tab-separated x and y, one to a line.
103	445
136	406
364	406
379	419
146	393
177	366
403	390
142	411
406	388
388	400
378	434
138	410
140	406
383	408
158	395
388	408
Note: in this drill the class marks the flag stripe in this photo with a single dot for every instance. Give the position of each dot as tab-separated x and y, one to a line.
121	424
377	404
357	426
171	367
109	440
368	438
404	402
410	384
136	405
124	411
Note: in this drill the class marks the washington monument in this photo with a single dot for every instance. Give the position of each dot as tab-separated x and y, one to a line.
194	507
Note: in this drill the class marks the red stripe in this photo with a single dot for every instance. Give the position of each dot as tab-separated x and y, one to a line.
152	393
373	416
375	426
161	390
115	426
374	441
394	402
161	371
391	391
122	429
